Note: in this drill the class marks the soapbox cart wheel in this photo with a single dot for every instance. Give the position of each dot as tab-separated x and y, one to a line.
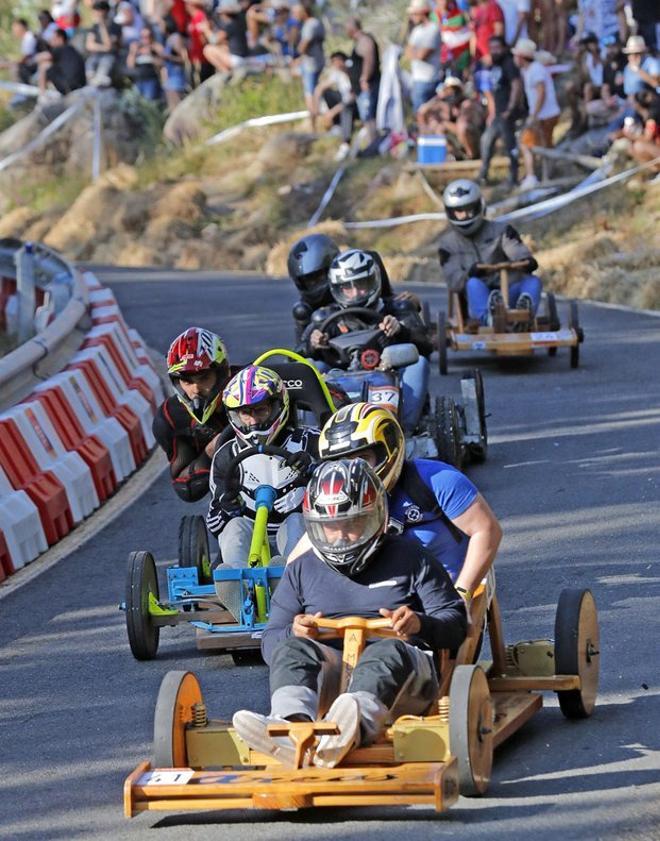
478	452
574	323
471	729
577	650
194	547
447	434
175	708
142	580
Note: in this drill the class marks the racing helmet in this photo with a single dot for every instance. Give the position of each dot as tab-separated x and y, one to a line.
192	352
308	264
252	387
365	426
355	279
464	195
345	513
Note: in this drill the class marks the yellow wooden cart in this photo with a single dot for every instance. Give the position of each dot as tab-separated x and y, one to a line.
202	764
458	332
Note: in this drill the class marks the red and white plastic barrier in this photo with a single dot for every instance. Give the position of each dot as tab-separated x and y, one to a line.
68	446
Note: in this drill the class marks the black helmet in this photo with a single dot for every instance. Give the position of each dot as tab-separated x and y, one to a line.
308	264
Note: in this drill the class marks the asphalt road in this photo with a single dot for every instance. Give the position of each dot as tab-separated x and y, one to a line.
573	472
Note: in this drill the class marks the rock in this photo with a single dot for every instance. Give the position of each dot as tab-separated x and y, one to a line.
87	222
16	221
186	122
186	201
283	151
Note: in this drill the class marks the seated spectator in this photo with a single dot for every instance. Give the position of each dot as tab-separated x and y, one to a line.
336	91
227	47
198	27
455	36
542	103
423	51
26	66
101	45
62	65
365	74
454	115
614	62
175	82
285	29
310	48
641	73
130	23
645	144
65	14
47	27
145	58
487	20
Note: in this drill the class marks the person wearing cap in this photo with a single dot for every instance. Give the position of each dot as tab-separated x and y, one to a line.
101	45
543	106
505	101
641	73
423	52
456	116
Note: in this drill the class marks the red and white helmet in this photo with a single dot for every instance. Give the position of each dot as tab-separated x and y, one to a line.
192	352
345	512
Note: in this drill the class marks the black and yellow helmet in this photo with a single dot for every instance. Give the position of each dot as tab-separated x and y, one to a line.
366	426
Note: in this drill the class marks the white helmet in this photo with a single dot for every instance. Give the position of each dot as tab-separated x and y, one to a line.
464	196
354	279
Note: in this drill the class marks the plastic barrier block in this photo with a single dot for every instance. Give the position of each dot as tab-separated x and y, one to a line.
89	448
91	417
6	566
24	533
109	341
43	488
91	281
101	297
129	420
50	454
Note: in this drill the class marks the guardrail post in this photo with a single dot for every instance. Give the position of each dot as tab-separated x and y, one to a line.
97	138
25	290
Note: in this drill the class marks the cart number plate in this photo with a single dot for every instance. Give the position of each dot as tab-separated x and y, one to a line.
479	345
166	778
384	396
545	337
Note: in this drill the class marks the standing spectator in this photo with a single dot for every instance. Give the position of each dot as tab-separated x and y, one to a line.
62	65
504	100
614	62
487	20
131	25
145	58
198	26
227	46
516	18
423	50
310	47
598	17
174	64
336	90
455	36
26	66
542	103
101	45
365	74
647	17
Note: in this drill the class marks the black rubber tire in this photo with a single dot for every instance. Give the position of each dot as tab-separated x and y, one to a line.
442	343
553	316
178	692
247	657
426	315
577	651
471	729
574	323
194	548
447	433
143	635
479	453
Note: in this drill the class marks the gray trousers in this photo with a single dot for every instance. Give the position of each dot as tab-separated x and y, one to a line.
236	537
499	128
392	678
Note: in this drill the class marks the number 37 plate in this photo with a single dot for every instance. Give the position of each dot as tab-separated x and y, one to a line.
385	396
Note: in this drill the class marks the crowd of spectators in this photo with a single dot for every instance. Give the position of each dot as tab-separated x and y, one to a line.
475	72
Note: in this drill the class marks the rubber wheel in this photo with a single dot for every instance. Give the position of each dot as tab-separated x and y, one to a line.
426	315
142	579
478	452
447	435
553	316
194	547
471	729
574	323
442	343
178	693
247	657
577	650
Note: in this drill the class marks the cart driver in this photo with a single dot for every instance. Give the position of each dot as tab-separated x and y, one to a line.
471	242
353	568
430	501
188	425
257	405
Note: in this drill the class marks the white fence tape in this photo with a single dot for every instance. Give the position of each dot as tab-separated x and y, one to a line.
20	88
257	122
59	121
327	196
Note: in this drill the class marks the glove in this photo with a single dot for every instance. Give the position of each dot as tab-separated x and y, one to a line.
301	462
475	271
231	505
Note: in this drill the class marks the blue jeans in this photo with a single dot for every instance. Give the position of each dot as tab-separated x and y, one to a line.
310	79
415	386
367	103
477	295
149	88
421	92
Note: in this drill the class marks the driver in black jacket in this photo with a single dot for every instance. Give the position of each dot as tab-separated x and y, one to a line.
355	281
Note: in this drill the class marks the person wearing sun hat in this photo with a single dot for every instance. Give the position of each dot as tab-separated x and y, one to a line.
423	51
642	70
542	102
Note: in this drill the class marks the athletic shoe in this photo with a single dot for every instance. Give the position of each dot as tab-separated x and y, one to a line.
529	182
253	729
525	302
494	300
343	152
345	713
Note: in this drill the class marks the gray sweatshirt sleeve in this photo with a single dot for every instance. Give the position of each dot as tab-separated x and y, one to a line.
444	619
284	606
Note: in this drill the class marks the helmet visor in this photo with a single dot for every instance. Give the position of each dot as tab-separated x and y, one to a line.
257	420
354	293
313	283
465	214
341	536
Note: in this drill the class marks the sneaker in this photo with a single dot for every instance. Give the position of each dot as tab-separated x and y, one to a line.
525	302
343	152
345	713
529	182
253	729
494	300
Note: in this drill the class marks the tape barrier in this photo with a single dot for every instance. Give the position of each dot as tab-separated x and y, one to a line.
327	196
67	446
20	88
256	122
51	129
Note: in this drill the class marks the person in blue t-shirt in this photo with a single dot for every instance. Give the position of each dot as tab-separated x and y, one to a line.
428	500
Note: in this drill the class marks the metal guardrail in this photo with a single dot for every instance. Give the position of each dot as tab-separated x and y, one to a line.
48	352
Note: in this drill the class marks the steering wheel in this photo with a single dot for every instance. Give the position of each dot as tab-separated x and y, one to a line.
300	461
333	628
347	345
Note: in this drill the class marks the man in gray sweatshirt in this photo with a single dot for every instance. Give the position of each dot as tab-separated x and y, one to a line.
353	569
